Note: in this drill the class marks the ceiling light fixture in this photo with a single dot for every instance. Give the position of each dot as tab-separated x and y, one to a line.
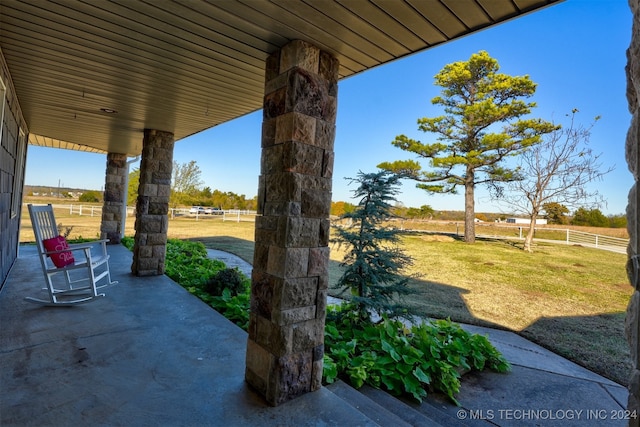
108	110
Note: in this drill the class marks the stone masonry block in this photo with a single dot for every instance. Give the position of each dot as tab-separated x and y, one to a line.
276	261
632	221
272	66
295	315
316	375
315	203
148	190
632	326
156	239
292	377
275	104
299	292
323	282
273	337
328	69
295	127
261	195
327	164
150	224
307	335
297	262
258	360
260	255
282	187
301	232
302	158
269	132
277	83
631	145
299	54
325	134
325	232
307	94
146	252
164	191
318	261
263	288
321	303
271	160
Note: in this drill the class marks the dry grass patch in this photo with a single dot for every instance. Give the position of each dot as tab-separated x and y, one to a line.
561	297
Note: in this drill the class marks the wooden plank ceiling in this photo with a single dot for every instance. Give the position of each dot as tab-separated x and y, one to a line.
92	74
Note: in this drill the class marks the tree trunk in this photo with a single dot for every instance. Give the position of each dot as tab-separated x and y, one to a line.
469	208
528	240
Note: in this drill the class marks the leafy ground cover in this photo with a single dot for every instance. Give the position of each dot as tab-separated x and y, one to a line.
403	360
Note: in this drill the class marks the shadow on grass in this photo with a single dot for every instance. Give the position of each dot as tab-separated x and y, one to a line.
240	247
596	342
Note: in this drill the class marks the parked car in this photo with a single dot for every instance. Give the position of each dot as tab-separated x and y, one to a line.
196	210
213	211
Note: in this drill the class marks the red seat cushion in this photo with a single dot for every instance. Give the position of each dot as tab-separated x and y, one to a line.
59	243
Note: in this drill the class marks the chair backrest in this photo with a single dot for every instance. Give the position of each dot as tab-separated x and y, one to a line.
44	224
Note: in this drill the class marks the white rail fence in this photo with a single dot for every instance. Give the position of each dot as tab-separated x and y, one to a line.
613	244
570	237
574	237
88	210
235	215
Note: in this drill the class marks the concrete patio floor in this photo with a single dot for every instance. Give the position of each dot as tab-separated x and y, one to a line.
148	354
151	354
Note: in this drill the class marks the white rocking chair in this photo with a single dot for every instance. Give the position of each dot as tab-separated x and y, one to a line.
74	260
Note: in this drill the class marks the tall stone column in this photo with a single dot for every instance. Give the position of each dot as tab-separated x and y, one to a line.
632	321
152	206
290	266
114	191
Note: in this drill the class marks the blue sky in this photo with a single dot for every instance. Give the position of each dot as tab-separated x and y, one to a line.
574	51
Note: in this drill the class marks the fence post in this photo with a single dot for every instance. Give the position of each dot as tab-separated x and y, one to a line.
71	209
567	236
597	240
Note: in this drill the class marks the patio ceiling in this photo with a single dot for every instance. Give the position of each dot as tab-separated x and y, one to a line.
92	74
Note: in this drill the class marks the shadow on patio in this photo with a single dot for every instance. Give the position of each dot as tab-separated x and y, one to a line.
147	354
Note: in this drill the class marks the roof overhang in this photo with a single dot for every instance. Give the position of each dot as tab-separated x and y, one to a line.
91	75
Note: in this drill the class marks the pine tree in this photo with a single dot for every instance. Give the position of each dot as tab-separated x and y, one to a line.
470	148
373	261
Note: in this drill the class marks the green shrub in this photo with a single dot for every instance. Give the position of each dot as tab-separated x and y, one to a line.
90	197
228	278
400	359
188	264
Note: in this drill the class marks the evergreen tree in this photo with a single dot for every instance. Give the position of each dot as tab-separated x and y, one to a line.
470	148
373	260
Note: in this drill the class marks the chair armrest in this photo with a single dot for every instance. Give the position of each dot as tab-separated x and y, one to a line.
69	249
74	246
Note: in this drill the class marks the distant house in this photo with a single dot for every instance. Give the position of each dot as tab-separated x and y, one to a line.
539	221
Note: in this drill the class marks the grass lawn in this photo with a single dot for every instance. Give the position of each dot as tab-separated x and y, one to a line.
569	299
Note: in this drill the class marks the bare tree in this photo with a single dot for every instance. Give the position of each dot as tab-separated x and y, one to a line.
186	181
557	170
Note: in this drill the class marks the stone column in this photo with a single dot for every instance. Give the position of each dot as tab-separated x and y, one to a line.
114	192
290	266
152	206
632	321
